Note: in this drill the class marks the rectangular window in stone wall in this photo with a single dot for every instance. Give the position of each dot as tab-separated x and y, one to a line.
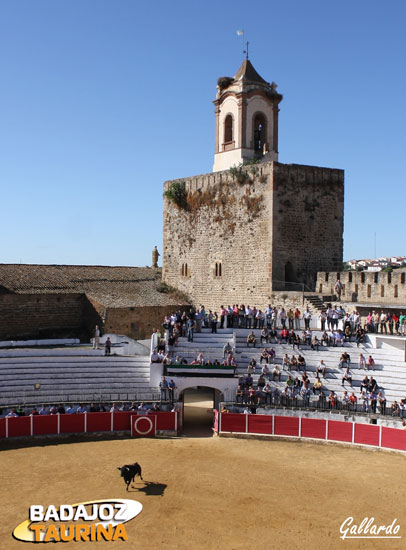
218	269
376	277
320	288
369	291
395	291
326	277
402	278
382	291
343	289
356	288
350	277
389	278
362	277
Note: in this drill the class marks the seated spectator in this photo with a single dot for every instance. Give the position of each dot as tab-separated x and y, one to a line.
12	413
296	342
372	385
339	338
317	385
359	336
273	335
265	371
370	363
305	380
80	409
264	356
216	363
309	337
303	338
347	334
21	410
381	402
252	366
264	335
261	381
297	383
347	377
284	335
321	367
271	355
285	361
251	340
364	384
35	412
246	411
228	348
362	361
276	373
345	360
315	343
292	337
70	409
94	408
293	363
353	401
249	381
289	381
325	339
395	409
301	363
345	400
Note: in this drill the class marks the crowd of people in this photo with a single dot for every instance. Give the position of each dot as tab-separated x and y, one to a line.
139	407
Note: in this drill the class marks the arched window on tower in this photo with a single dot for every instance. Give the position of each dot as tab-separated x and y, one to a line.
228	129
260	133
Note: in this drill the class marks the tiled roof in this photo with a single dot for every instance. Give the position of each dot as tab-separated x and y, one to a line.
248	72
110	286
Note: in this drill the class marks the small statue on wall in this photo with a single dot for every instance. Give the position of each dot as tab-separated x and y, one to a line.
155	256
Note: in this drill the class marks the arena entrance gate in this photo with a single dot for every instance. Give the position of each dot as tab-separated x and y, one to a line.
198	405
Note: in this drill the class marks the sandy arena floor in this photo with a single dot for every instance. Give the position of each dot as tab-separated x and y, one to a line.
218	493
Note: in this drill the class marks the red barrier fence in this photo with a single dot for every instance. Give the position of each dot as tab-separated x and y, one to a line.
315	428
50	424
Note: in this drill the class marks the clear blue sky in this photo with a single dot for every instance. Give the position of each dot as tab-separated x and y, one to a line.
103	100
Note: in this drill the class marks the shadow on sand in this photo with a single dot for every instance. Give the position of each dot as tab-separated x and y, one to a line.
151	489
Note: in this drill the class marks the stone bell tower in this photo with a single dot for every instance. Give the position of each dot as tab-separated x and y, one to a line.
246	108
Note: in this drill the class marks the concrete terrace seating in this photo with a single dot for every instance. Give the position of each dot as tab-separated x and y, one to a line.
389	371
71	374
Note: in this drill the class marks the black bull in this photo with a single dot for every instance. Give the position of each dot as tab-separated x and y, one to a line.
129	471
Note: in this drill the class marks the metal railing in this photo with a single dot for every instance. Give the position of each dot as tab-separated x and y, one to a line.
309	405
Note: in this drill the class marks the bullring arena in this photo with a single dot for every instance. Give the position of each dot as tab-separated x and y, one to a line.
201	489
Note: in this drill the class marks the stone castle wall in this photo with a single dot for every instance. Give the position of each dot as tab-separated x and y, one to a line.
24	316
234	239
366	287
308	214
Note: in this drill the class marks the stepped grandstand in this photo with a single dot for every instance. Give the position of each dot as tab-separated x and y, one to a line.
66	371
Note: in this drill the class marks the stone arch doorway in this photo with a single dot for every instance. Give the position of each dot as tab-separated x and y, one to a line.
198	405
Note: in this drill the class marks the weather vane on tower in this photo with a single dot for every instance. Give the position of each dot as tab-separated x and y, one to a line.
244	44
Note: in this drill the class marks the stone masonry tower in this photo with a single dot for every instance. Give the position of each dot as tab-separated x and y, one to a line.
244	232
246	108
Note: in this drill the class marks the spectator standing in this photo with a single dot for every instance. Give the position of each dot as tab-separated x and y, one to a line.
107	346
96	340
